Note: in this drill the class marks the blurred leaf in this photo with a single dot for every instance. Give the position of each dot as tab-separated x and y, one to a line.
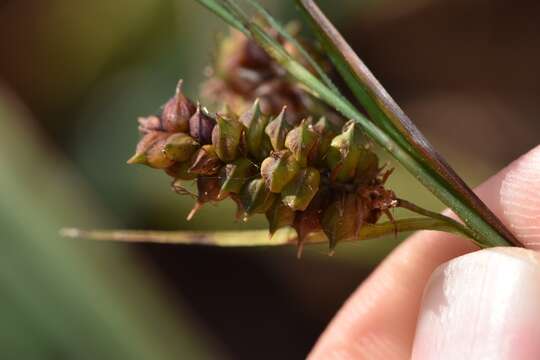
65	299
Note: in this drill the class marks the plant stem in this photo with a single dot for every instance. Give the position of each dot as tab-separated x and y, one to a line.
259	237
417	209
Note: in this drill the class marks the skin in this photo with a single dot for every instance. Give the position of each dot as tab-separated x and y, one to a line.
379	320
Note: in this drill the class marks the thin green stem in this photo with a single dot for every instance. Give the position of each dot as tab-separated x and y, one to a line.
417	209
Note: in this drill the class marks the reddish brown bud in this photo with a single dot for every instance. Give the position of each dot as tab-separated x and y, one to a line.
149	123
308	223
201	126
205	161
150	151
254	56
208	190
177	112
342	219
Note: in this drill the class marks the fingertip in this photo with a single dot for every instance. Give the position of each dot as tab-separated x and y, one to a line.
483	305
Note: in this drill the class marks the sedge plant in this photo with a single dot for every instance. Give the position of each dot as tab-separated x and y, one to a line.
287	142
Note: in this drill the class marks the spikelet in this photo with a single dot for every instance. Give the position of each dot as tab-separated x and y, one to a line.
279	169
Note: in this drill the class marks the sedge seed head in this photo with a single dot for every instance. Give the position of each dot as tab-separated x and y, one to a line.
313	178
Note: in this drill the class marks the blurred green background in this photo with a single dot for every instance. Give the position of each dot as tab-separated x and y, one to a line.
74	76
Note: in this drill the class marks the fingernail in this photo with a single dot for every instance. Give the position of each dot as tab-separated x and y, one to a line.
483	305
520	198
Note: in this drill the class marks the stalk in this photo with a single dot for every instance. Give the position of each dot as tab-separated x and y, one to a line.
259	237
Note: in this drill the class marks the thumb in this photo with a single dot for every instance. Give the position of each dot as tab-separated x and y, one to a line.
486	305
483	305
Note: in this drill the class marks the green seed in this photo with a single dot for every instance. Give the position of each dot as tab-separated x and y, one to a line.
277	130
226	137
302	141
233	176
278	170
327	132
298	193
257	142
255	198
345	152
180	147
